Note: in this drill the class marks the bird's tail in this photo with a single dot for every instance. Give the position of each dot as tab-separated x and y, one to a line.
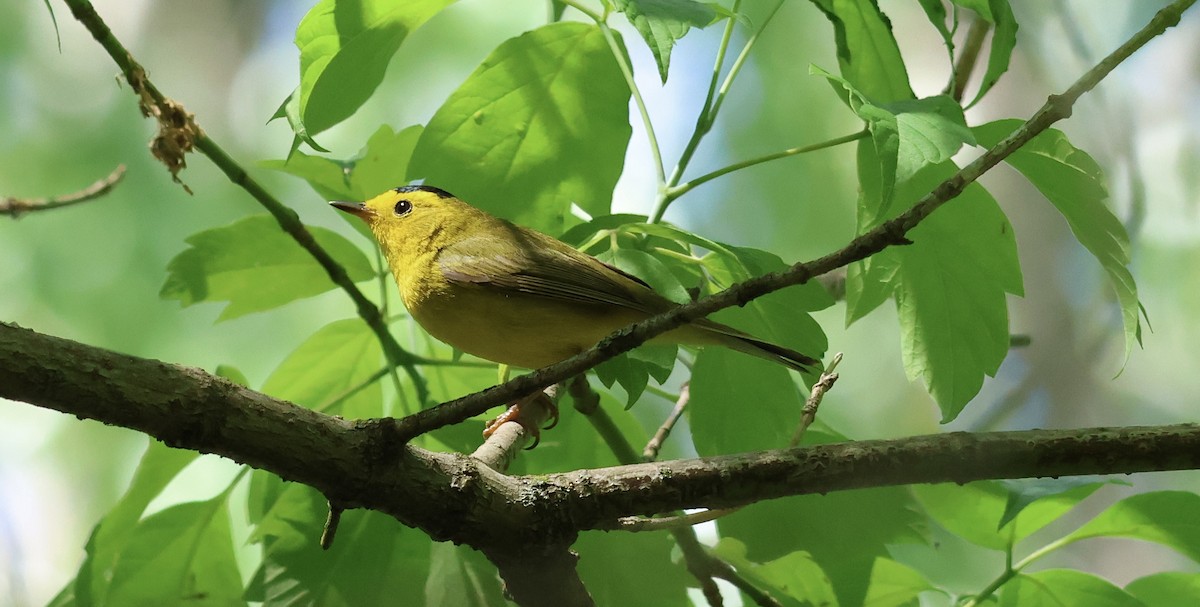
743	342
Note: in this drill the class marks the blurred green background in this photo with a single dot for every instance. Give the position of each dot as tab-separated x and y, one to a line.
92	272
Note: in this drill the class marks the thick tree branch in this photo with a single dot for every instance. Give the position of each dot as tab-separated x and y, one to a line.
890	233
454	497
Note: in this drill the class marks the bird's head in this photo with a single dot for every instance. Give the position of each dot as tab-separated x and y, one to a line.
410	216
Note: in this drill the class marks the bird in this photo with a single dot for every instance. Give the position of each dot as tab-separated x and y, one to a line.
516	296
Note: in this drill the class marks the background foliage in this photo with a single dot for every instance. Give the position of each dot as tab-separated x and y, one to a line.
96	272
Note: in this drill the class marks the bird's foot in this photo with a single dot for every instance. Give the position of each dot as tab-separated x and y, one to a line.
530	412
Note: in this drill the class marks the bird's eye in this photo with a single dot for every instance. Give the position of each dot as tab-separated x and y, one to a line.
404	207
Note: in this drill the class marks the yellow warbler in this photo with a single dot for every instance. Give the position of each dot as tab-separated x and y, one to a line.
516	296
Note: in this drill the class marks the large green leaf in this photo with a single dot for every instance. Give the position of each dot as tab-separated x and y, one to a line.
1073	182
662	22
982	512
339	356
372	560
868	56
542	124
1060	587
1165	517
950	291
741	403
255	266
181	556
345	47
158	466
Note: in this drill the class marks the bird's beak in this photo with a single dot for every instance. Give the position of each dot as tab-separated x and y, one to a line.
358	209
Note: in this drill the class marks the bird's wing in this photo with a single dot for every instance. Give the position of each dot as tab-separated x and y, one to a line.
545	268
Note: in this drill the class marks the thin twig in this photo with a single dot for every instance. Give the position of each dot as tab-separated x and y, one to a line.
329	532
808	414
179	133
650	453
639	524
14	207
890	233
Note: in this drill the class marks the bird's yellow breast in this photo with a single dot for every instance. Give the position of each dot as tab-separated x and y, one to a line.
521	330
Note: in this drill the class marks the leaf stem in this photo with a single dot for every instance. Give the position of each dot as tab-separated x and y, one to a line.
680	190
712	105
583	9
1011	570
627	72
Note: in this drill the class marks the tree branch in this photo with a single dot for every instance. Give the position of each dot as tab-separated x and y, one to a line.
454	497
14	207
889	233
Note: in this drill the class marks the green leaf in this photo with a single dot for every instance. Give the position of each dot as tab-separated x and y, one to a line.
796	575
931	130
629	568
541	124
460	575
662	22
371	556
1164	517
1073	182
981	512
159	465
1023	493
878	518
869	283
345	47
1168	589
1059	587
649	269
868	56
950	291
327	176
631	374
935	11
182	555
381	164
740	403
907	135
1004	39
255	266
233	374
341	355
894	585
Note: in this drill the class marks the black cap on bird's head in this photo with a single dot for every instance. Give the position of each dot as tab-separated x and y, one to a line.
423	188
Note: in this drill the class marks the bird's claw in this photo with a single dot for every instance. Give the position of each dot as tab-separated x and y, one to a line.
513	414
